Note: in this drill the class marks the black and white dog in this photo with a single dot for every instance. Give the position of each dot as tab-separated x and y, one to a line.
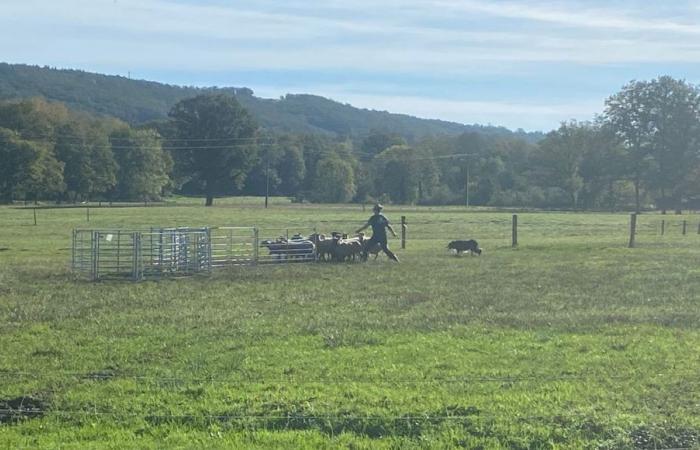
465	246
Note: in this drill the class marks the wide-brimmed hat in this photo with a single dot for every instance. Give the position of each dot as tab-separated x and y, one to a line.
378	207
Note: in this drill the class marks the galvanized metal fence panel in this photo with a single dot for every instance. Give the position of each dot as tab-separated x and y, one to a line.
175	252
116	255
82	251
141	254
233	246
167	252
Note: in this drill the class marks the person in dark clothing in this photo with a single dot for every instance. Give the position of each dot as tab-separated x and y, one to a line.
379	225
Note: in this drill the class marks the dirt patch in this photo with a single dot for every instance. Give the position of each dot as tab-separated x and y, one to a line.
21	408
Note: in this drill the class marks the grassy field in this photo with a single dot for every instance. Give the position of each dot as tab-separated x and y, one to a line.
571	340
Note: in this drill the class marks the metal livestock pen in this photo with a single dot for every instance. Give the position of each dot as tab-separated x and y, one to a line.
154	253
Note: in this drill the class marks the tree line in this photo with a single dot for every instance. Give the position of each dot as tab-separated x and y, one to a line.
642	151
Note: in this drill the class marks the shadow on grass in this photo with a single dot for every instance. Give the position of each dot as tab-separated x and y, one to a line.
21	408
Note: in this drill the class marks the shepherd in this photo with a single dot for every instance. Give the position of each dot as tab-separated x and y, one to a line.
379	224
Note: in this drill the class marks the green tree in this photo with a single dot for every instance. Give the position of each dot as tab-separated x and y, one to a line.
602	167
215	145
397	174
33	119
90	168
334	181
377	141
559	159
627	114
290	167
674	120
280	166
143	165
658	124
45	178
28	170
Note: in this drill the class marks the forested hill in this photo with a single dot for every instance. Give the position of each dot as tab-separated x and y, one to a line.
138	101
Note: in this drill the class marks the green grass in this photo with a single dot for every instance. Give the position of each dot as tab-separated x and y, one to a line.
569	341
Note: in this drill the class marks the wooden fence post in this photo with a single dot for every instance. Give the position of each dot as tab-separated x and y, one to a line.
633	229
515	230
35	217
698	227
87	211
256	245
663	227
403	232
685	227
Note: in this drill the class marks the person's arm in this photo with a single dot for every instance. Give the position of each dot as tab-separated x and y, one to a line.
388	225
361	229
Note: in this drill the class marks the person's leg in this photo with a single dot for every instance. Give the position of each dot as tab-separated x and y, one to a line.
388	252
366	245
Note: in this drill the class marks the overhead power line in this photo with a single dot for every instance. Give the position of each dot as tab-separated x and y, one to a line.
222	144
337	380
54	137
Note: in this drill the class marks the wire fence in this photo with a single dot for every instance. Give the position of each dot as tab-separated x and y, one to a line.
383	379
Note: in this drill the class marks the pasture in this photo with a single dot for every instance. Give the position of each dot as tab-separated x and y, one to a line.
571	340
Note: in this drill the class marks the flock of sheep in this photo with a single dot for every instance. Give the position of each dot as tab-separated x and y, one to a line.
340	247
337	247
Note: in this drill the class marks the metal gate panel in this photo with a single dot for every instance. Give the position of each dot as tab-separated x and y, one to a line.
233	246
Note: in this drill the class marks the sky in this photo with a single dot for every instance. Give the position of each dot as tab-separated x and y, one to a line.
519	64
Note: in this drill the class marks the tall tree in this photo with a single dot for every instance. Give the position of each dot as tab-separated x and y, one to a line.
334	181
602	167
290	167
28	170
45	177
143	165
90	168
560	156
658	122
397	174
674	120
215	142
627	114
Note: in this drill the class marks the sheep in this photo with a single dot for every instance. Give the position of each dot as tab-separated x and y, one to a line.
346	248
282	249
300	248
276	248
324	246
372	249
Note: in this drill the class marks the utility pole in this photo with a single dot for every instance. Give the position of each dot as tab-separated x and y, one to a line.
267	177
467	184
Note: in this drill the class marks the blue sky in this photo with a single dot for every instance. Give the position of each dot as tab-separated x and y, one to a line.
521	64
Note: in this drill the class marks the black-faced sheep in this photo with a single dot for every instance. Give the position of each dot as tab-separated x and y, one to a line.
324	246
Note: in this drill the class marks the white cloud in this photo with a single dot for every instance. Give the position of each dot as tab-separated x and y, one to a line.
576	15
402	38
300	38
